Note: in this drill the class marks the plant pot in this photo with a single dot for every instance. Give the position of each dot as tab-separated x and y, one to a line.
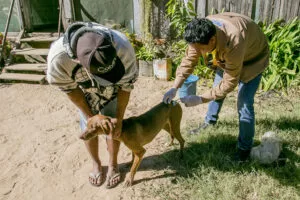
162	69
145	68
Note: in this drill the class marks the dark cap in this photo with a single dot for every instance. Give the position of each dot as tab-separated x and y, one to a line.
96	53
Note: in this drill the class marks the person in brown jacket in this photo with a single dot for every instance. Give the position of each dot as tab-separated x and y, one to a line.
241	55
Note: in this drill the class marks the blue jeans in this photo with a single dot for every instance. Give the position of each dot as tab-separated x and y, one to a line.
246	92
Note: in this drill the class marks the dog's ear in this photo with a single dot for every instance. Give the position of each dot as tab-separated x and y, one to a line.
88	133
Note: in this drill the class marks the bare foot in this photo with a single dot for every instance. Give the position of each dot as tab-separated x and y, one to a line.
113	177
96	176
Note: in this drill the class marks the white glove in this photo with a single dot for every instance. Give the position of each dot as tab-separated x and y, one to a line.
191	100
170	95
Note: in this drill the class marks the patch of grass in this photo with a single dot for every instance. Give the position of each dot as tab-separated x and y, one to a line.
208	171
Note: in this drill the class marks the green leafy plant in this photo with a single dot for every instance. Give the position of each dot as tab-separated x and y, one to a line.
180	14
284	42
178	52
145	53
148	51
134	41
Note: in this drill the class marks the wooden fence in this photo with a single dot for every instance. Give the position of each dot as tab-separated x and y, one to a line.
258	10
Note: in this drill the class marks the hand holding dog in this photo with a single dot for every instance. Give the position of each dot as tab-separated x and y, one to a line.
169	95
104	123
117	124
191	100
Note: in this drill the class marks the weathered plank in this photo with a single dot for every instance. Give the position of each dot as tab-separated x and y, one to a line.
201	8
39	39
293	9
22	78
137	17
31	68
246	7
30	51
235	6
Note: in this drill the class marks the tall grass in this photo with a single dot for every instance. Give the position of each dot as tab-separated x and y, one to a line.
284	43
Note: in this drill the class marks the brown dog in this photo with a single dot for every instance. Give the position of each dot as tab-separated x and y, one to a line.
138	131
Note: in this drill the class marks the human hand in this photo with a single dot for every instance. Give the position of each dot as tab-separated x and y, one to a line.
191	100
117	128
103	122
169	95
96	125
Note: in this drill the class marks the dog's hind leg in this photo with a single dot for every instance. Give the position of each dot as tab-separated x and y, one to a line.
175	129
177	135
168	129
138	156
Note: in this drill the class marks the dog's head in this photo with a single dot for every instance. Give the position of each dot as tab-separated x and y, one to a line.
97	125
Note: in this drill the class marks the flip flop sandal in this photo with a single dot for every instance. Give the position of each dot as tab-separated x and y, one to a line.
96	177
109	178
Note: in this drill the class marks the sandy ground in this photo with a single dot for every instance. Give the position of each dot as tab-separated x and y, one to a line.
41	156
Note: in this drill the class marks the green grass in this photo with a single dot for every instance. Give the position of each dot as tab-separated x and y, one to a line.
208	172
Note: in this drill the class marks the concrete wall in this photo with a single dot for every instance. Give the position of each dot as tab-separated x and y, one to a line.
105	11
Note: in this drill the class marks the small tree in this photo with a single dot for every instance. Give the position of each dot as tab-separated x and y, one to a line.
180	12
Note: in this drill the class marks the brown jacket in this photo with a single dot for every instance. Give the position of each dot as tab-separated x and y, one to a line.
241	51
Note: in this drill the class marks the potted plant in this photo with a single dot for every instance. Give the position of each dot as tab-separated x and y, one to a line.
145	55
162	63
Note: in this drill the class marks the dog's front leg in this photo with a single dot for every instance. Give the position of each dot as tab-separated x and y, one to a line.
138	156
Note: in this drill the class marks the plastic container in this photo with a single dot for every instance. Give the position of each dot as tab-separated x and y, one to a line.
189	86
162	69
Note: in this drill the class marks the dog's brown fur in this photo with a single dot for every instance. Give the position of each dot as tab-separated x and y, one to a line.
138	131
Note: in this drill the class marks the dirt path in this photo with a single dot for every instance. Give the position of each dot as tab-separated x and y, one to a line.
42	158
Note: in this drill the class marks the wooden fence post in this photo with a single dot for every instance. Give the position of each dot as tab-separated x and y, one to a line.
201	8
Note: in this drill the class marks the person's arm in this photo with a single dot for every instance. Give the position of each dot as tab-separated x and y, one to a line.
78	98
232	70
187	66
122	102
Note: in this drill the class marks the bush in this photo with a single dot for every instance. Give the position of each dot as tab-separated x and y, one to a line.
284	42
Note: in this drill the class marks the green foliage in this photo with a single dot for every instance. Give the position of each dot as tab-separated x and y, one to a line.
145	50
178	49
178	52
135	42
284	68
180	15
148	51
202	70
284	42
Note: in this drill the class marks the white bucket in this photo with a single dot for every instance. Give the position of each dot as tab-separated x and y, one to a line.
162	69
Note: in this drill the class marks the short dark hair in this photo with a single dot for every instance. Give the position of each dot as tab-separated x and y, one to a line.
199	31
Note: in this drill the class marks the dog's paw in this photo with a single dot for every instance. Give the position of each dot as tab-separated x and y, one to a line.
128	182
88	134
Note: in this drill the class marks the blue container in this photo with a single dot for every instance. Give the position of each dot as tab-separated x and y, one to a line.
189	86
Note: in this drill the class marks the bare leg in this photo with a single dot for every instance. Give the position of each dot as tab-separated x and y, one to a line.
113	149
92	147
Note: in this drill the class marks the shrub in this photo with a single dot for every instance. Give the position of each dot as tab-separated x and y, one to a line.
284	42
